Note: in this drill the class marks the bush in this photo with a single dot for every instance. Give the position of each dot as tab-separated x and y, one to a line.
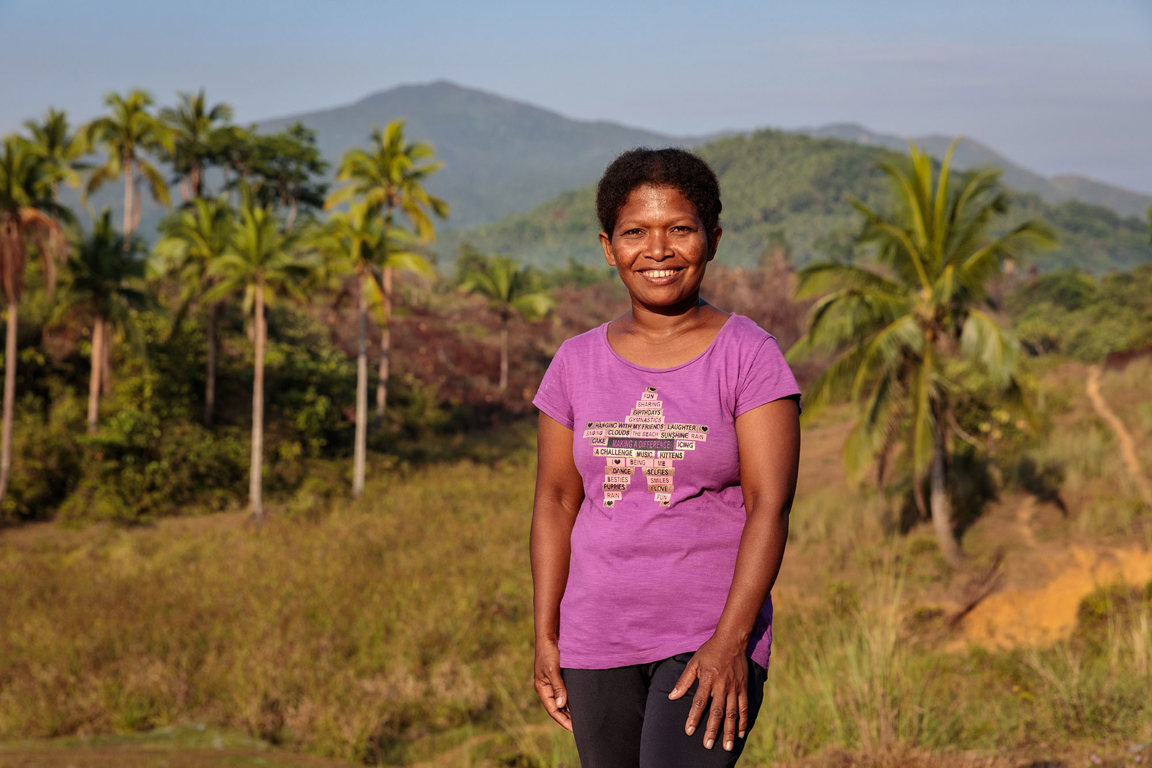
137	469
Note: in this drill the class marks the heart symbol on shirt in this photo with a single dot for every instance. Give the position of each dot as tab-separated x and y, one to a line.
616	462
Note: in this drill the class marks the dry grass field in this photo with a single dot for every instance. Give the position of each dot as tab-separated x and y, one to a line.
396	631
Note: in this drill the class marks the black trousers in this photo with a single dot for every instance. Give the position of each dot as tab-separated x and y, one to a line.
622	717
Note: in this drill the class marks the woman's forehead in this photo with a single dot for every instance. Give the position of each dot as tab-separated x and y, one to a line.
656	197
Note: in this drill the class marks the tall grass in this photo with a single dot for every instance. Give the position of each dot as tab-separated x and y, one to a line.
352	634
846	672
398	629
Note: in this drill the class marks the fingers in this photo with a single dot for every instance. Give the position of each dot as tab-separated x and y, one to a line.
731	719
550	687
687	677
742	710
723	696
554	697
715	717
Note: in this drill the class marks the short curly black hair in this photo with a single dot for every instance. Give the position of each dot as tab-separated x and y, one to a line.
669	167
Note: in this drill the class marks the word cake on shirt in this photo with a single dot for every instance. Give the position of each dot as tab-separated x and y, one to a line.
642	442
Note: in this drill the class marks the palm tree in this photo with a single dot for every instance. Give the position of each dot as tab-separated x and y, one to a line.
260	262
367	247
106	279
912	337
28	217
195	129
51	139
192	240
390	176
511	290
127	134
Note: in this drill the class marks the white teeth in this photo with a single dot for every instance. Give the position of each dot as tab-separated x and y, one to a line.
658	273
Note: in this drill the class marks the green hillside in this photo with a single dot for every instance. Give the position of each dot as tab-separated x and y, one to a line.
788	185
503	158
499	155
972	154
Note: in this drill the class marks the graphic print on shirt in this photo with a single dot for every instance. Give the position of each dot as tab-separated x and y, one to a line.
642	442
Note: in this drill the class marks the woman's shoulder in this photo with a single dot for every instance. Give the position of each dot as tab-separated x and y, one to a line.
584	343
745	330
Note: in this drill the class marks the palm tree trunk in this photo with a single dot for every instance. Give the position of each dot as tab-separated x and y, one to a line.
255	479
9	399
360	449
129	203
290	219
210	382
94	377
940	502
918	496
196	180
106	359
503	354
385	345
136	208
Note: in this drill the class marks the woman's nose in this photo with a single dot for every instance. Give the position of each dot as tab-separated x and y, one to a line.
658	246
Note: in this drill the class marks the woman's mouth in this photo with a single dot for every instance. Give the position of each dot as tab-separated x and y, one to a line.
658	274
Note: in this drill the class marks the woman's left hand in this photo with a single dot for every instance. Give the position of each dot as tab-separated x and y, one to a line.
721	668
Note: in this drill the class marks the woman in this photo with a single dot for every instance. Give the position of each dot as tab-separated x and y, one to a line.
668	447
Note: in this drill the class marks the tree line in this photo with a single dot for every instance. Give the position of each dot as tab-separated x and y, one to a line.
906	321
271	230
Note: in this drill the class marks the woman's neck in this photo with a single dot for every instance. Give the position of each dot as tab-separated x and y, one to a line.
665	339
665	323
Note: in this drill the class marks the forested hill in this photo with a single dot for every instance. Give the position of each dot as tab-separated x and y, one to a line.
973	154
499	155
799	188
504	157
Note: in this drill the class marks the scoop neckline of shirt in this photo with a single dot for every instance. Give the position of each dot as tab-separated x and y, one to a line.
637	366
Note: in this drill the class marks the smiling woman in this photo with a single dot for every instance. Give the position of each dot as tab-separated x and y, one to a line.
661	248
667	457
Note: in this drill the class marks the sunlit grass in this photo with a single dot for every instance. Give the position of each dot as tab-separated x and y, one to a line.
397	629
352	633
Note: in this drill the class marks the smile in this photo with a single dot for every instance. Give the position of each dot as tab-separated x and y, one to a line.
658	274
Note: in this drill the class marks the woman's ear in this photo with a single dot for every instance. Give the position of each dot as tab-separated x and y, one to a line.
714	242
606	244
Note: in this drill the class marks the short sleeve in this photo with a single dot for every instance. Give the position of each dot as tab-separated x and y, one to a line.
553	396
765	377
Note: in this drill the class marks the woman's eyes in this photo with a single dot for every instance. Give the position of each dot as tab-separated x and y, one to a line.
678	229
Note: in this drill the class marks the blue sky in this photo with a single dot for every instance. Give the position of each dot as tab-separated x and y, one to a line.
1060	86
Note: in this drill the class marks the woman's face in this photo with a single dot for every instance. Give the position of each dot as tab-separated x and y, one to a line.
660	248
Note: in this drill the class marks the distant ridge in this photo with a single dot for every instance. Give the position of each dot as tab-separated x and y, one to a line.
793	190
504	157
972	154
500	156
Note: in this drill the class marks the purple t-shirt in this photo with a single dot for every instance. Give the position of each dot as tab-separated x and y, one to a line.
654	544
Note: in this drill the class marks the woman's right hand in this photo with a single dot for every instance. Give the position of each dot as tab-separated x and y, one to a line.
549	684
559	494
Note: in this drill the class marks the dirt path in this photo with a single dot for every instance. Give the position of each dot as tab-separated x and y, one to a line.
1127	444
1040	615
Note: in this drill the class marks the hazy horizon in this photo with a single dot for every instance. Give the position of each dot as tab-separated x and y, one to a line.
1056	86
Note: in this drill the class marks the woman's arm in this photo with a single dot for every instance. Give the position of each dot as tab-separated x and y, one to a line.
768	441
559	493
